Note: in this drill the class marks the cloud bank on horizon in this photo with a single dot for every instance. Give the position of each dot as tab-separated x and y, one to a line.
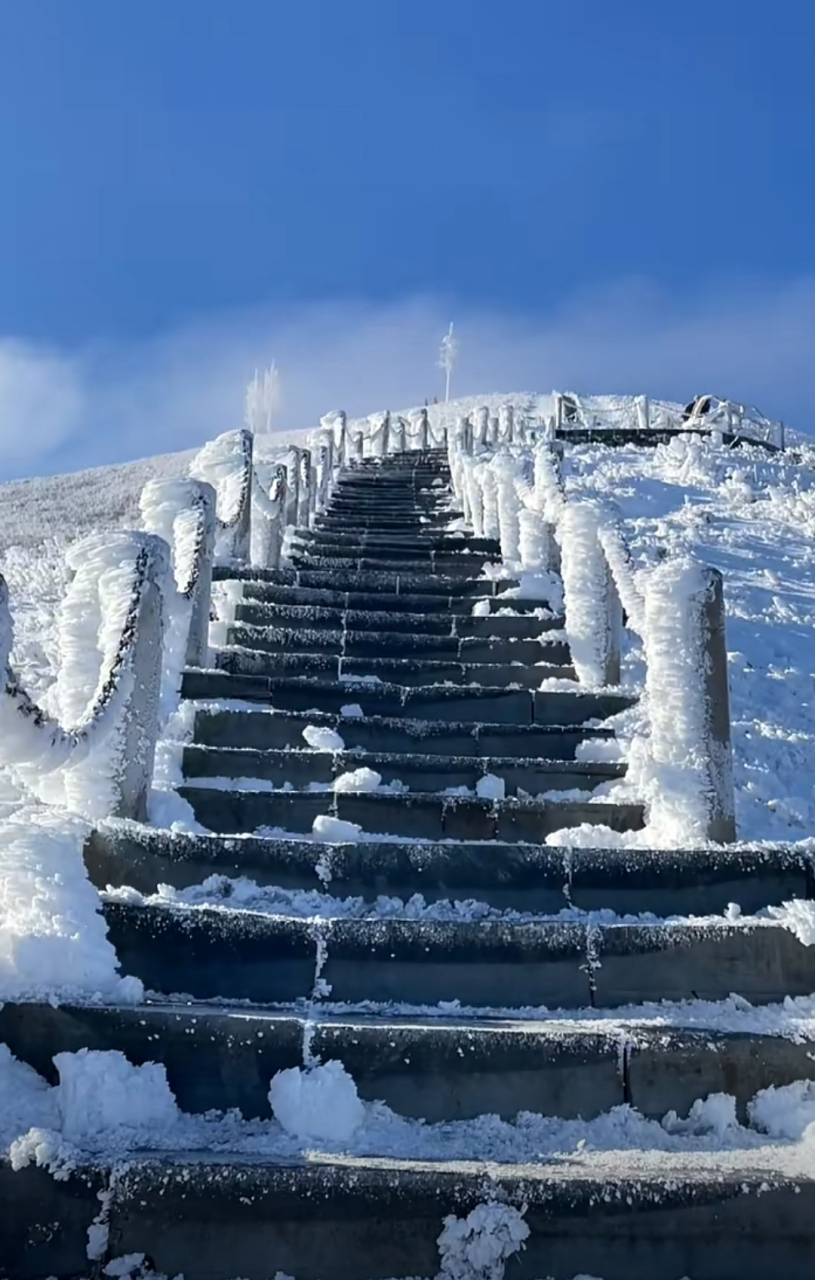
113	402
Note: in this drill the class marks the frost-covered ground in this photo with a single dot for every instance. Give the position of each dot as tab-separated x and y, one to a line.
751	515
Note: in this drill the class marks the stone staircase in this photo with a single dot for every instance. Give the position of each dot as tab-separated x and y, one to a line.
384	632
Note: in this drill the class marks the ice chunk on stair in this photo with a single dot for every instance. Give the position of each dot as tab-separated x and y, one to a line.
358	780
317	1102
321	738
476	1247
491	787
334	830
353	710
481	609
99	1091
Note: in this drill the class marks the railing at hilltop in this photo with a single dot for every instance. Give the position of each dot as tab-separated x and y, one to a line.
517	495
579	418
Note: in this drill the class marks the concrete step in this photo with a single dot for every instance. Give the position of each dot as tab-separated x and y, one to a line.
283	730
381	601
518	877
745	1216
446	703
373	582
514	627
214	953
425	773
381	641
407	672
420	815
456	568
463	543
450	567
435	1068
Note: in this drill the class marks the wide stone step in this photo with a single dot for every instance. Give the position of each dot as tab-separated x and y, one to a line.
407	672
214	953
450	567
742	1216
425	773
419	815
464	544
405	550
513	627
283	730
373	582
378	642
437	1069
446	703
382	601
520	877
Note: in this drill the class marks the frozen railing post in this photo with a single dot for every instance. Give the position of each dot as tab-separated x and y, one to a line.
141	719
386	434
643	413
717	744
359	446
292	485
594	615
508	415
688	697
269	520
342	449
183	513
226	464
494	431
424	430
305	489
483	427
400	436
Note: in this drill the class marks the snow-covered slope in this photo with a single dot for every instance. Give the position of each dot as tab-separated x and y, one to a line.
750	513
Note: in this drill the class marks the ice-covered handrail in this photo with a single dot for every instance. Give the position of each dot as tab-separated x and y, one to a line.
677	609
226	464
711	413
183	513
104	730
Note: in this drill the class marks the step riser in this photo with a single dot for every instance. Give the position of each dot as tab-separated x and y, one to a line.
390	602
418	773
538	878
375	583
442	703
421	817
213	1221
277	732
266	960
468	570
378	643
408	673
431	1071
461	544
495	626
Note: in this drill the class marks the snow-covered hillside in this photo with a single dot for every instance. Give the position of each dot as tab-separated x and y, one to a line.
749	513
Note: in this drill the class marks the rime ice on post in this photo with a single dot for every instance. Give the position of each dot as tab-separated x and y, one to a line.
688	697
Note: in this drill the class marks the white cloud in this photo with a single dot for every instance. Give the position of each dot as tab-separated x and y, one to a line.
112	403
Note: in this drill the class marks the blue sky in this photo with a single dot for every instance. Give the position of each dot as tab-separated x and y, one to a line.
614	194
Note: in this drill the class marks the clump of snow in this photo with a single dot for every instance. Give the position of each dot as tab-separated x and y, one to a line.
321	738
362	779
784	1111
99	1091
491	787
478	1246
799	917
715	1114
26	1100
334	830
352	710
481	609
318	1102
53	939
